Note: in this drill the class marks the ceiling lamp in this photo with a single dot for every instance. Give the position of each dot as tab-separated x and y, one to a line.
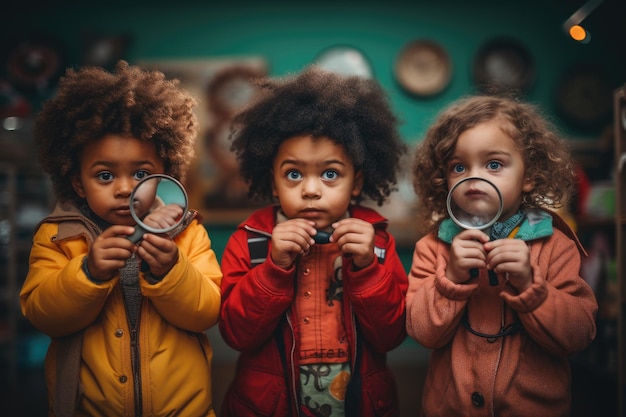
572	25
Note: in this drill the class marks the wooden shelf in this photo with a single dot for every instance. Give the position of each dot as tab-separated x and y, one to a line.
588	221
619	109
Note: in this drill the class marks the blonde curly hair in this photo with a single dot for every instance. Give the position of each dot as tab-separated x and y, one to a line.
547	160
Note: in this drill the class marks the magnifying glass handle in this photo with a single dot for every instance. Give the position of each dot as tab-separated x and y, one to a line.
493	277
137	235
322	237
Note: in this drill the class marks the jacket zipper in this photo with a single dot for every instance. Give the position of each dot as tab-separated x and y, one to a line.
294	374
134	355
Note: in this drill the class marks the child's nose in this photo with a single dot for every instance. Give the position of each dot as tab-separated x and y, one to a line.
474	172
311	188
124	187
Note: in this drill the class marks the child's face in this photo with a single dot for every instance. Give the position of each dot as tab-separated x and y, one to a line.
486	151
314	179
110	168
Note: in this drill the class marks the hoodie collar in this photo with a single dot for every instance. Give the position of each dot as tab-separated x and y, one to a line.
535	224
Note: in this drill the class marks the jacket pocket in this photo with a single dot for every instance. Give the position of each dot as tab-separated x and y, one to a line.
380	394
256	393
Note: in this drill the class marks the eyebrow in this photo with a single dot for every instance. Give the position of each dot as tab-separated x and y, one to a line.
325	163
108	163
489	154
498	152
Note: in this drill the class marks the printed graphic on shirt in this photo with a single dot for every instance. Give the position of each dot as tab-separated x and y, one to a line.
323	354
323	389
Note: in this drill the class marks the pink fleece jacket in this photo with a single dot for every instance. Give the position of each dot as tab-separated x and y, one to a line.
526	373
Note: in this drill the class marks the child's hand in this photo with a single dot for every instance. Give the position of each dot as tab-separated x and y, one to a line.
159	252
466	252
355	237
109	252
290	239
510	257
164	217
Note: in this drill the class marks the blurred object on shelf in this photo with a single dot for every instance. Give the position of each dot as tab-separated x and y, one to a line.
32	350
610	306
583	186
12	103
16	140
600	201
595	266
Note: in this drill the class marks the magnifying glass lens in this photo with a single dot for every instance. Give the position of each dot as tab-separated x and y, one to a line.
158	205
474	203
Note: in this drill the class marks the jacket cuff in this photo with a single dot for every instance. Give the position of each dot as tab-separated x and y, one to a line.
273	277
363	279
85	269
531	298
452	291
151	278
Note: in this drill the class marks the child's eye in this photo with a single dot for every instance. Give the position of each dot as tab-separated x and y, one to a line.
141	174
494	165
293	175
104	176
458	168
330	174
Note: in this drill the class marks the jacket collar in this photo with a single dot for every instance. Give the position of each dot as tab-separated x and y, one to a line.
72	222
537	224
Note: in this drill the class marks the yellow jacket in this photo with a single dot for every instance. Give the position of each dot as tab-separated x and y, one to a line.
175	354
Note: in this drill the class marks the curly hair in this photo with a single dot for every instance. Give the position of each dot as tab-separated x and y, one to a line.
91	103
547	161
352	111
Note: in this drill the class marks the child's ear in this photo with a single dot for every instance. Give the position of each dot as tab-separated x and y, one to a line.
358	184
78	186
528	185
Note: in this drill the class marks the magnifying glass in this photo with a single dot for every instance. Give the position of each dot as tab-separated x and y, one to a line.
475	203
158	204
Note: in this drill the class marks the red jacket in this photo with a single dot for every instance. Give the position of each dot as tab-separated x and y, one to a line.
257	320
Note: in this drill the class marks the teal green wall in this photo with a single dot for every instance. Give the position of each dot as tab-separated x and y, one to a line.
289	35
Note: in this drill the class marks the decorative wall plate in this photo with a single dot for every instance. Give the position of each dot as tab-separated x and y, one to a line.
346	60
423	68
503	64
231	89
584	97
34	62
104	50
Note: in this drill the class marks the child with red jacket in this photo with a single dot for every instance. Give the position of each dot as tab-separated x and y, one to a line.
313	289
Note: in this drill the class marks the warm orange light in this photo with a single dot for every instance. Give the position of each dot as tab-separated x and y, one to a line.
577	33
